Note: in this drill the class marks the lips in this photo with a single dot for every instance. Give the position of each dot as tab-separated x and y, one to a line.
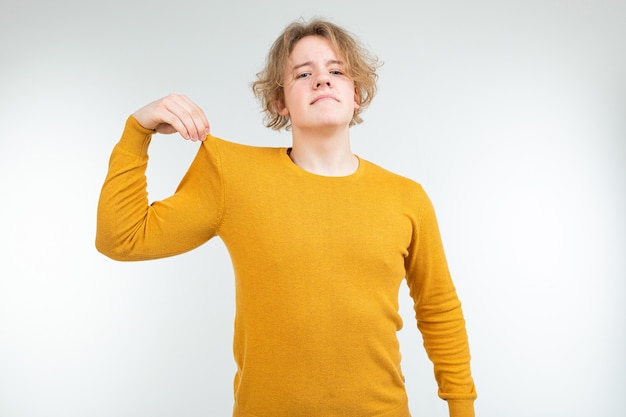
324	97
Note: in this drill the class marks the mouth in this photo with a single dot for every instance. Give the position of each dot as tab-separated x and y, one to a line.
324	97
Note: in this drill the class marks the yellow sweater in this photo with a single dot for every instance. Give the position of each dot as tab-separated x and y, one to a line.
318	262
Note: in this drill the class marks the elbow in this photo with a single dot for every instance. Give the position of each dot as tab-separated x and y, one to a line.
121	249
107	246
109	251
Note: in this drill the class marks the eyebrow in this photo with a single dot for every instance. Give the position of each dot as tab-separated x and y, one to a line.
309	63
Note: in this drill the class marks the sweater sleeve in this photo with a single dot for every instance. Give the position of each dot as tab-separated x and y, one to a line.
439	314
129	229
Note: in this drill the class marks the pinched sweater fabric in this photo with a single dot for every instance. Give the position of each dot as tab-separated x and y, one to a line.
318	263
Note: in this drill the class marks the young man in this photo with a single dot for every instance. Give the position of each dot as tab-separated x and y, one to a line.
320	239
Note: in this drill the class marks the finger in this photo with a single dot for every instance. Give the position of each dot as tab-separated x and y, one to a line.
198	117
171	118
186	117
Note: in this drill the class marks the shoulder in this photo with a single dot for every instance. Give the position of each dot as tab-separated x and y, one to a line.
392	180
237	160
227	148
406	193
228	145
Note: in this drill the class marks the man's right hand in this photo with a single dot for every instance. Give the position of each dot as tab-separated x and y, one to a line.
174	113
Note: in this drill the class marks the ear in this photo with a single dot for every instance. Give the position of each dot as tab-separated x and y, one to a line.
357	99
281	108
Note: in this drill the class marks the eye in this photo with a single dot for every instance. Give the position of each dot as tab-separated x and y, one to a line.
336	72
304	75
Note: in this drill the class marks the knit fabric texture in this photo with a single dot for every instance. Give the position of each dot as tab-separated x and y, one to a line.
318	263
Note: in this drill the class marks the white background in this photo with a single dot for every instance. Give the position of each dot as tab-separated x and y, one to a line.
510	113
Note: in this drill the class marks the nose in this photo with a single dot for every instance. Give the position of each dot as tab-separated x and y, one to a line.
322	79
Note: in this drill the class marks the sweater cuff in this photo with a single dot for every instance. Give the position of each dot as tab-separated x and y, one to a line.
135	138
461	408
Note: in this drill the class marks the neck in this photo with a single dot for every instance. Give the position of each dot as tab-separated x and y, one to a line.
324	152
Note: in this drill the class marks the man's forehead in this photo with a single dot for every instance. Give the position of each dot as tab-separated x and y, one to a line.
314	44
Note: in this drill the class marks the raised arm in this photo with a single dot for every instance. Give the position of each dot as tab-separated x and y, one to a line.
128	228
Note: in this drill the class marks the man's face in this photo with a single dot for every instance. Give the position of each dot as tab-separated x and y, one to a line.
318	93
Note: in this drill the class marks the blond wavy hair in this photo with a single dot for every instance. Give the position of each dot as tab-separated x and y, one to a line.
360	66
